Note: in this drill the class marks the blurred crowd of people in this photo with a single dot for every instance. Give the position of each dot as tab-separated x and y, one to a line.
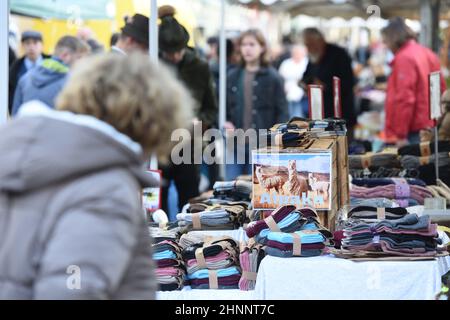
262	89
114	110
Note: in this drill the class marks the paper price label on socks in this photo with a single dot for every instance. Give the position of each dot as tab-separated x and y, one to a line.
337	97
152	197
435	95
316	106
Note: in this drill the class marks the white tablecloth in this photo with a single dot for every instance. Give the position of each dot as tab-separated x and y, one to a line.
188	294
330	278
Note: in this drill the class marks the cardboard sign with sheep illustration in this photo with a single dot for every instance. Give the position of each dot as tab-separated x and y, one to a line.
300	179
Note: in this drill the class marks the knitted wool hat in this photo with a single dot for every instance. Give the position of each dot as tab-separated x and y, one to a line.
173	37
137	28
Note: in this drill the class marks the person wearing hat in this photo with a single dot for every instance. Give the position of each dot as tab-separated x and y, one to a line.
195	74
32	44
134	35
45	82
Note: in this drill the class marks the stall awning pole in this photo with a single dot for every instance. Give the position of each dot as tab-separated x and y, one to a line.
429	17
153	34
153	48
223	83
223	69
4	60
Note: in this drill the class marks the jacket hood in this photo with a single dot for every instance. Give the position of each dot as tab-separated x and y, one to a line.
50	71
43	146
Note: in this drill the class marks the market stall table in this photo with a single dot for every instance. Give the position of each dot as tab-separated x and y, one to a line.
331	278
188	294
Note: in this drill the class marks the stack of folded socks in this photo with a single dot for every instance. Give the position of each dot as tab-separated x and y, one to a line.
213	264
383	172
207	220
169	232
426	167
415	162
289	232
296	123
209	216
359	147
327	128
402	192
289	139
374	161
421	157
286	218
308	242
250	259
375	182
424	149
315	128
227	278
440	191
428	173
170	272
213	203
374	202
363	214
190	239
399	234
233	190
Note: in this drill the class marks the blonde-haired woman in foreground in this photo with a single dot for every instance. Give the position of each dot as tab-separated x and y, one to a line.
71	222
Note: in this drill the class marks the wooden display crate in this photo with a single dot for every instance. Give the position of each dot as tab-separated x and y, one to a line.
338	177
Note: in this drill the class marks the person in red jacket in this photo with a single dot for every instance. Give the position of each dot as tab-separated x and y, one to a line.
407	100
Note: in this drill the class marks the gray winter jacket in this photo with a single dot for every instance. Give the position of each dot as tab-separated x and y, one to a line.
43	83
71	221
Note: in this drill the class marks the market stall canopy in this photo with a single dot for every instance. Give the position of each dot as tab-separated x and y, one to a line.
343	8
64	9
